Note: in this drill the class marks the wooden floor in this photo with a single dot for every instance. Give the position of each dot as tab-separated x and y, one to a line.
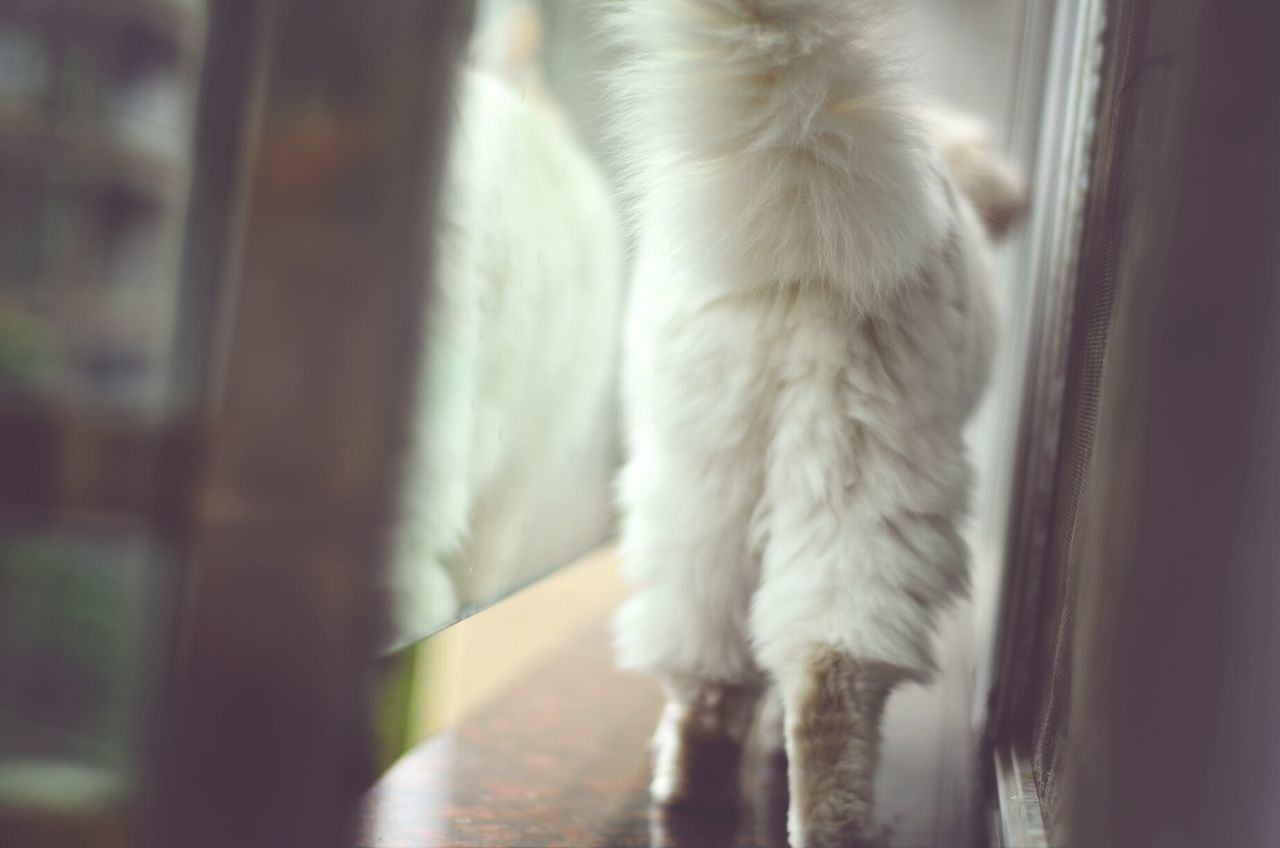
556	755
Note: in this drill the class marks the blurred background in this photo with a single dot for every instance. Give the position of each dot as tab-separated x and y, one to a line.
97	103
310	315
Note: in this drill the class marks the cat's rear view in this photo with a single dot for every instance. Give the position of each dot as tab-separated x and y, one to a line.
811	325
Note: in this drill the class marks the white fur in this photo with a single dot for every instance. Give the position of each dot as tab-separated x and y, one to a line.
520	340
715	90
795	401
811	325
992	186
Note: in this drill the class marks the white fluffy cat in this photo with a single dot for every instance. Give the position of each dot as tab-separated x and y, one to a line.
811	325
520	333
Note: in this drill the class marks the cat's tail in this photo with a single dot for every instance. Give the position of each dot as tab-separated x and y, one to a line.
773	143
989	182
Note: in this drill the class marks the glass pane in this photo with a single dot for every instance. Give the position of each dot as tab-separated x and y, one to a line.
510	471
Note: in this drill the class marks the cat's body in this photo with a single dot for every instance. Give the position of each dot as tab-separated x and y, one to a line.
520	334
811	325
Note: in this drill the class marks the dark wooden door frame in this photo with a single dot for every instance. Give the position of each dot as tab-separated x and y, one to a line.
317	321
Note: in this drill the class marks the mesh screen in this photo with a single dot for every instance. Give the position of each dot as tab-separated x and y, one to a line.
1100	273
1076	476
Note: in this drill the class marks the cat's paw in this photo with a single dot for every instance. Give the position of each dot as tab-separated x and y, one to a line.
697	749
696	772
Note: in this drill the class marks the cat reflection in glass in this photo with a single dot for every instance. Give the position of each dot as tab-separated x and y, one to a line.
520	335
811	324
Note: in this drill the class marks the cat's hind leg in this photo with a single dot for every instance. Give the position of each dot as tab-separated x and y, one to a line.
833	708
865	485
686	623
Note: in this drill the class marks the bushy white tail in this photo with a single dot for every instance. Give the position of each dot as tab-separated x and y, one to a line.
771	142
989	182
